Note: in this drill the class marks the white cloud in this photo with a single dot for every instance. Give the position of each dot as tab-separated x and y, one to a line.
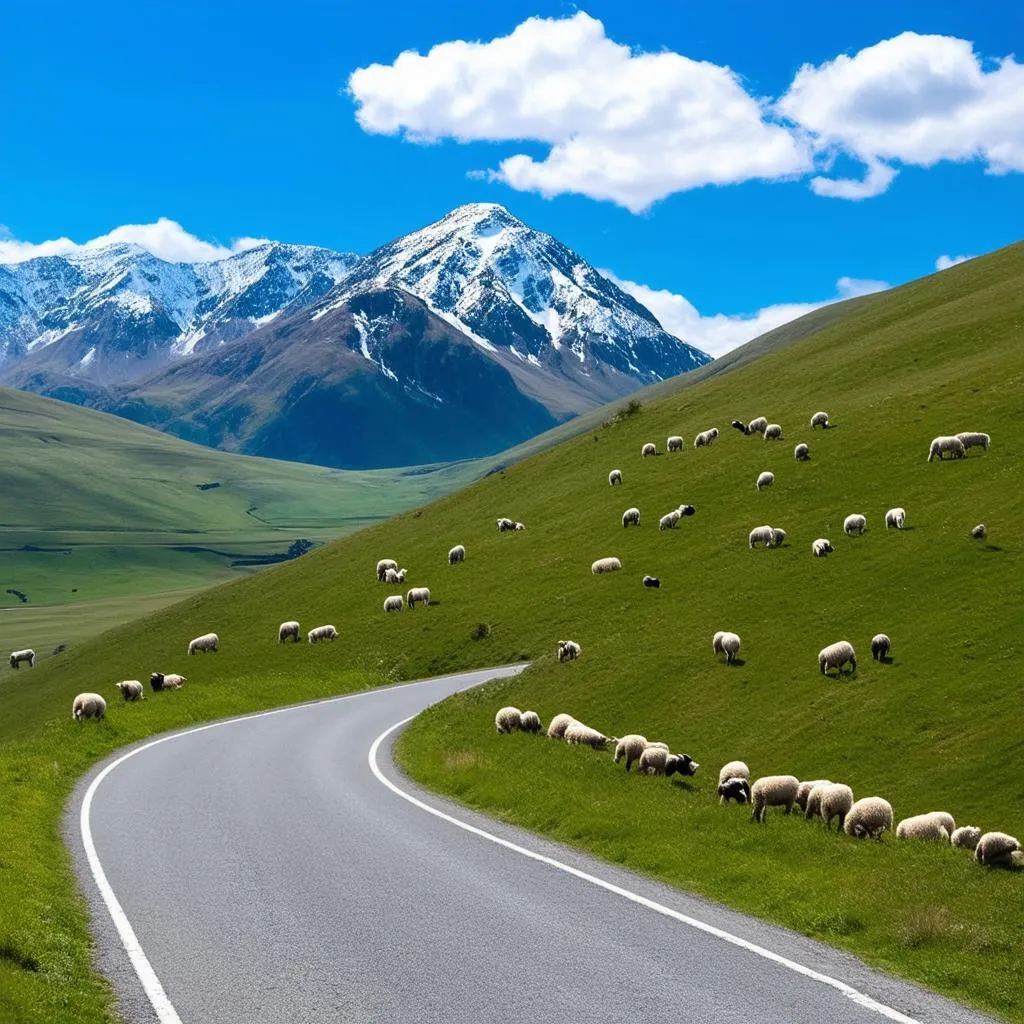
945	262
722	332
165	239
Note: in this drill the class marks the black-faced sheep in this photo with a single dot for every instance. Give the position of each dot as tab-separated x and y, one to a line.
88	705
652	581
868	818
734	789
288	630
773	791
568	650
740	426
836	655
505	525
17	657
204	643
686	510
881	645
166	681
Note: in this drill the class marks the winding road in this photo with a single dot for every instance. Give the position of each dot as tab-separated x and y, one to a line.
276	869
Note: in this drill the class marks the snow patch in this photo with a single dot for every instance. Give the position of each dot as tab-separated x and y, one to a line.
88	357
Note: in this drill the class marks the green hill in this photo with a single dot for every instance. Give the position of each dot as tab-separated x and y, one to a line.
939	728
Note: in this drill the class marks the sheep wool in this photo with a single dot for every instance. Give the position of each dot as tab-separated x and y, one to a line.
758	425
579	734
803	791
568	650
778	538
945	445
686	510
382	567
529	721
821	547
288	631
835	802
812	804
922	826
670	520
945	819
997	849
394	575
131	689
417	595
881	645
801	452
630	747
394	603
558	725
615	477
605	565
760	535
648	449
652	581
855	523
773	791
17	657
979	532
631	517
88	705
726	643
974	439
819	419
740	426
508	719
966	837
519	527
733	770
895	517
868	818
734	789
764	479
836	655
505	524
674	443
457	554
705	438
204	643
654	760
773	432
319	633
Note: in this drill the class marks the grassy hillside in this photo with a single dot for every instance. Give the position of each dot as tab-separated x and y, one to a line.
938	728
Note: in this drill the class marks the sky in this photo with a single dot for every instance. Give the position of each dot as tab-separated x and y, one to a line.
731	164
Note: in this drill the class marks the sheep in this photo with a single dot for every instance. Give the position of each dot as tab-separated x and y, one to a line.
615	477
705	438
760	535
166	681
131	689
652	581
417	595
457	554
395	575
518	527
289	629
801	452
803	791
922	826
868	817
578	733
778	538
529	721
979	532
17	657
393	603
204	643
505	524
855	523
568	650
773	791
605	565
648	449
835	801
319	633
812	801
88	705
558	725
508	719
740	426
764	479
631	517
758	425
734	789
966	837
819	419
945	819
996	849
675	443
726	643
836	655
821	547
670	520
686	510
656	760
895	517
881	645
943	444
733	770
974	439
773	432
630	747
382	567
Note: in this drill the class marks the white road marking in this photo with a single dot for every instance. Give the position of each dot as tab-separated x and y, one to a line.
840	986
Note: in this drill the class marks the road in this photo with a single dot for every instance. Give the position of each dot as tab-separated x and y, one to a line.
268	869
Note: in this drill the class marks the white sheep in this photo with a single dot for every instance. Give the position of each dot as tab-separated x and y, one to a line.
778	538
881	645
630	747
505	524
975	439
631	517
457	554
670	520
869	817
726	643
417	595
17	657
394	603
675	443
605	565
204	643
654	759
758	425
773	432
922	826
764	479
705	438
819	419
615	477
648	449
835	801
773	791
943	445
508	719
518	527
558	725
812	798
382	567
733	770
131	689
288	629
836	655
895	517
945	819
395	575
821	547
568	650
578	733
966	837
801	452
760	535
529	721
979	532
803	791
319	633
855	523
88	705
997	849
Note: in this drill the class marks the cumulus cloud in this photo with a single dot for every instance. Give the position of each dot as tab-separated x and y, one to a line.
945	262
165	239
722	332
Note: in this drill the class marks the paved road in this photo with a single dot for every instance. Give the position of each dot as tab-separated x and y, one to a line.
270	876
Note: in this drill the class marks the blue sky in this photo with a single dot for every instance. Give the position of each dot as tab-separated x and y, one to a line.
679	176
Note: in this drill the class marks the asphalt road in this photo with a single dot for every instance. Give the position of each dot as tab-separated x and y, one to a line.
269	875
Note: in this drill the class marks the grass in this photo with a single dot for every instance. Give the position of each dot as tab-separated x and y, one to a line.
940	727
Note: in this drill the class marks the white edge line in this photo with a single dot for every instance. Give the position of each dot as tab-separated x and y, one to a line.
847	990
158	998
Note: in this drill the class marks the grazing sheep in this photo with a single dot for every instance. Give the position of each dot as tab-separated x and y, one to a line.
605	565
895	517
686	510
457	554
836	801
579	734
319	633
801	452
648	449
773	432
869	817
734	789
760	535
740	426
518	527
529	721
417	595
615	477
288	629
836	655
974	439
394	603
803	791
504	525
204	643
670	520
966	837
822	547
726	643
765	479
705	438
17	657
88	705
508	720
166	681
819	419
855	523
733	770
945	819
812	802
922	826
881	645
681	764
652	581
675	443
996	850
758	425
558	725
979	532
630	746
568	650
654	760
131	689
944	444
778	538
395	576
773	791
631	517
382	567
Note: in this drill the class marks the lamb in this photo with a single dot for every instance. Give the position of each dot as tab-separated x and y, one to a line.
836	655
996	850
508	719
529	721
895	517
727	644
319	633
630	746
881	645
675	443
504	525
631	517
836	801
974	439
966	837
764	479
204	643
822	547
417	595
819	419
648	449
778	538
289	629
669	521
740	426
518	527
88	705
868	817
394	575
705	438
393	603
855	523
615	477
578	733
568	650
734	789
652	581
457	554
758	425
169	681
656	760
773	432
558	725
979	532
812	802
382	567
803	791
773	791
17	657
922	826
944	444
801	452
605	565
131	689
760	535
733	770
